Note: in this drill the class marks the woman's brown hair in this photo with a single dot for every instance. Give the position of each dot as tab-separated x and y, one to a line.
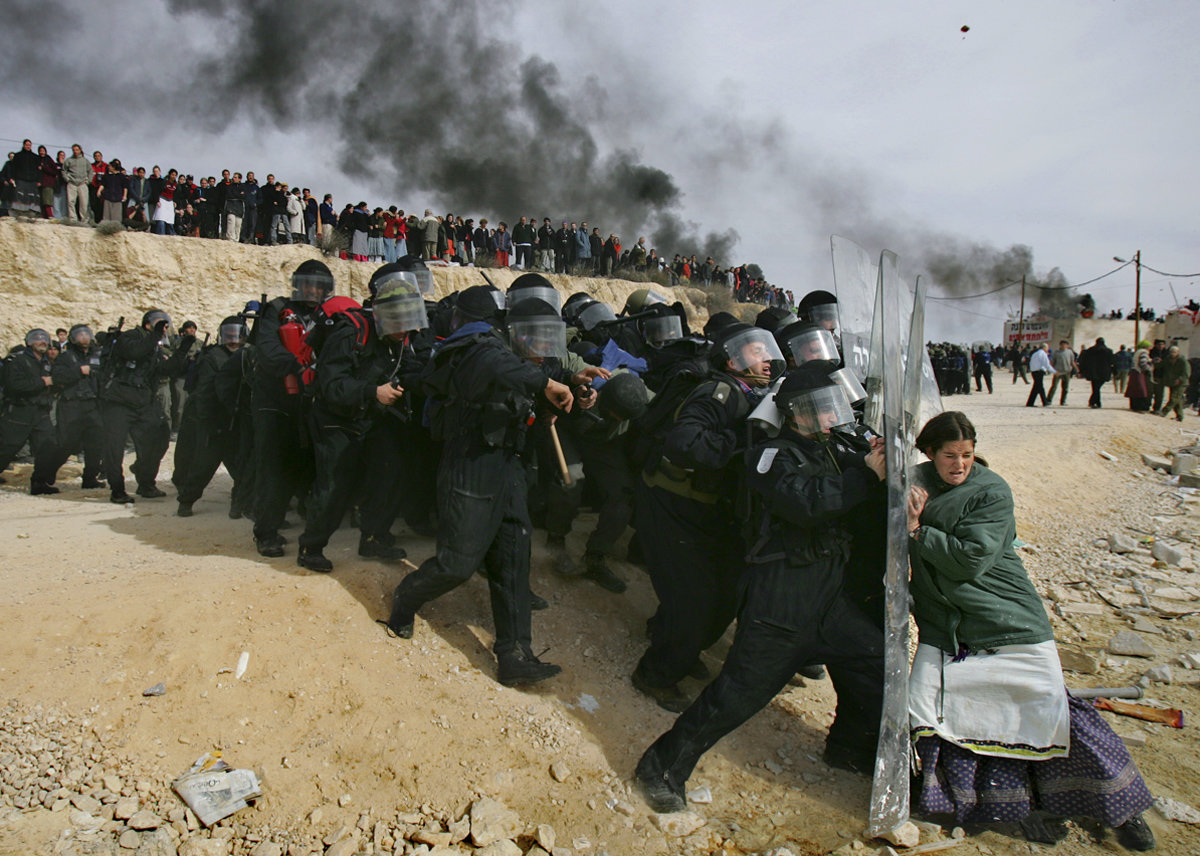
948	427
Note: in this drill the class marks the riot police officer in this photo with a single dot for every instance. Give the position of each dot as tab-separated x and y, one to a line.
793	612
25	415
359	408
76	374
282	447
206	439
482	398
131	407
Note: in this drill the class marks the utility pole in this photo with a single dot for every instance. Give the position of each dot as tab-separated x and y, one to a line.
1021	316
1137	298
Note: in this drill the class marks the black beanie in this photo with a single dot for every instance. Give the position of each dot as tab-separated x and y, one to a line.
476	303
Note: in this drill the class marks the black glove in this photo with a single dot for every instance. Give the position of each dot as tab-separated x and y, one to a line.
186	341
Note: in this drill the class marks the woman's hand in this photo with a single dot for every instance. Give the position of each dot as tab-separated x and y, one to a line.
917	497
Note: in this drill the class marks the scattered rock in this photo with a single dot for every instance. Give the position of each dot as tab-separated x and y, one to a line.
1141	624
678	824
1126	643
1167	553
1160	674
431	837
204	847
1184	463
1133	739
267	848
1175	810
345	847
1155	462
1075	659
1190	660
702	796
904	835
345	800
1080	609
1189	480
125	808
129	840
559	771
144	820
84	803
1119	542
491	820
545	836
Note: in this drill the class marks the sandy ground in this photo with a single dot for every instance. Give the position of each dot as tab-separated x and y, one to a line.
101	602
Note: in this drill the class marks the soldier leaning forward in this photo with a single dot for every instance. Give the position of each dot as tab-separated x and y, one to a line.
76	375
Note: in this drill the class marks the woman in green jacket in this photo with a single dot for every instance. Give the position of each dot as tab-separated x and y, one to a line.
997	737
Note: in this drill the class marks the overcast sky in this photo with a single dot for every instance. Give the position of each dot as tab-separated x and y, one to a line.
1069	127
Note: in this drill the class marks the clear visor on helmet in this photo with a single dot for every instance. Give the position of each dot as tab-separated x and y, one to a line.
593	314
815	344
848	381
400	308
541	292
663	328
233	334
751	348
538	337
819	411
33	337
311	288
653	297
81	336
825	314
424	280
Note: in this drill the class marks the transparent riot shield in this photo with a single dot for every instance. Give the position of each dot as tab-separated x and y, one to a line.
855	278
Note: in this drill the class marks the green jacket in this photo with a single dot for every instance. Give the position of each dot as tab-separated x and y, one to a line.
968	584
1174	372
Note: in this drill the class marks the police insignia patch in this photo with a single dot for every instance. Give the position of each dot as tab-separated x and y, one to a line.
766	459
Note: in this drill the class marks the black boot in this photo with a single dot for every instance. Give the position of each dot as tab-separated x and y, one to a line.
93	483
42	488
402	619
271	548
1044	829
521	668
375	548
537	602
185	509
1136	834
151	492
314	560
121	499
661	793
597	570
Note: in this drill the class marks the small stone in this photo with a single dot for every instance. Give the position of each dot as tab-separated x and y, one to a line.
773	767
1175	810
1160	674
1075	659
335	835
702	796
1126	643
205	847
1120	543
677	824
144	820
432	837
60	805
491	820
624	808
1167	553
545	836
1189	480
129	840
112	783
1184	463
460	829
83	819
125	808
958	833
1133	739
316	815
345	847
1156	462
904	835
535	850
503	847
1141	624
91	805
267	848
345	800
559	771
1080	609
1190	660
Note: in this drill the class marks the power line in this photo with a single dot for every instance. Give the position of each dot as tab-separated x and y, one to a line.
1163	273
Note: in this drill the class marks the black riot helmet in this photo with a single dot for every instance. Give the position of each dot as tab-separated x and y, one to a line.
773	317
312	283
804	341
820	307
750	353
575	303
37	336
477	303
82	336
151	319
536	330
529	286
399	307
623	396
813	403
232	332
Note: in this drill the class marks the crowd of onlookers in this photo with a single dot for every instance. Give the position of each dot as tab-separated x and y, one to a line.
237	207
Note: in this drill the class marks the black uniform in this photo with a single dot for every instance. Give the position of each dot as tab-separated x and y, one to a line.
482	398
132	408
206	437
80	425
357	441
282	447
793	611
232	387
25	414
688	531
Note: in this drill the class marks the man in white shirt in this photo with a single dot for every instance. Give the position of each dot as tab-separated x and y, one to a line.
1039	364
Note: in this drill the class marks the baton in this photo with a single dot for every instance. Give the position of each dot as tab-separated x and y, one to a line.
558	453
